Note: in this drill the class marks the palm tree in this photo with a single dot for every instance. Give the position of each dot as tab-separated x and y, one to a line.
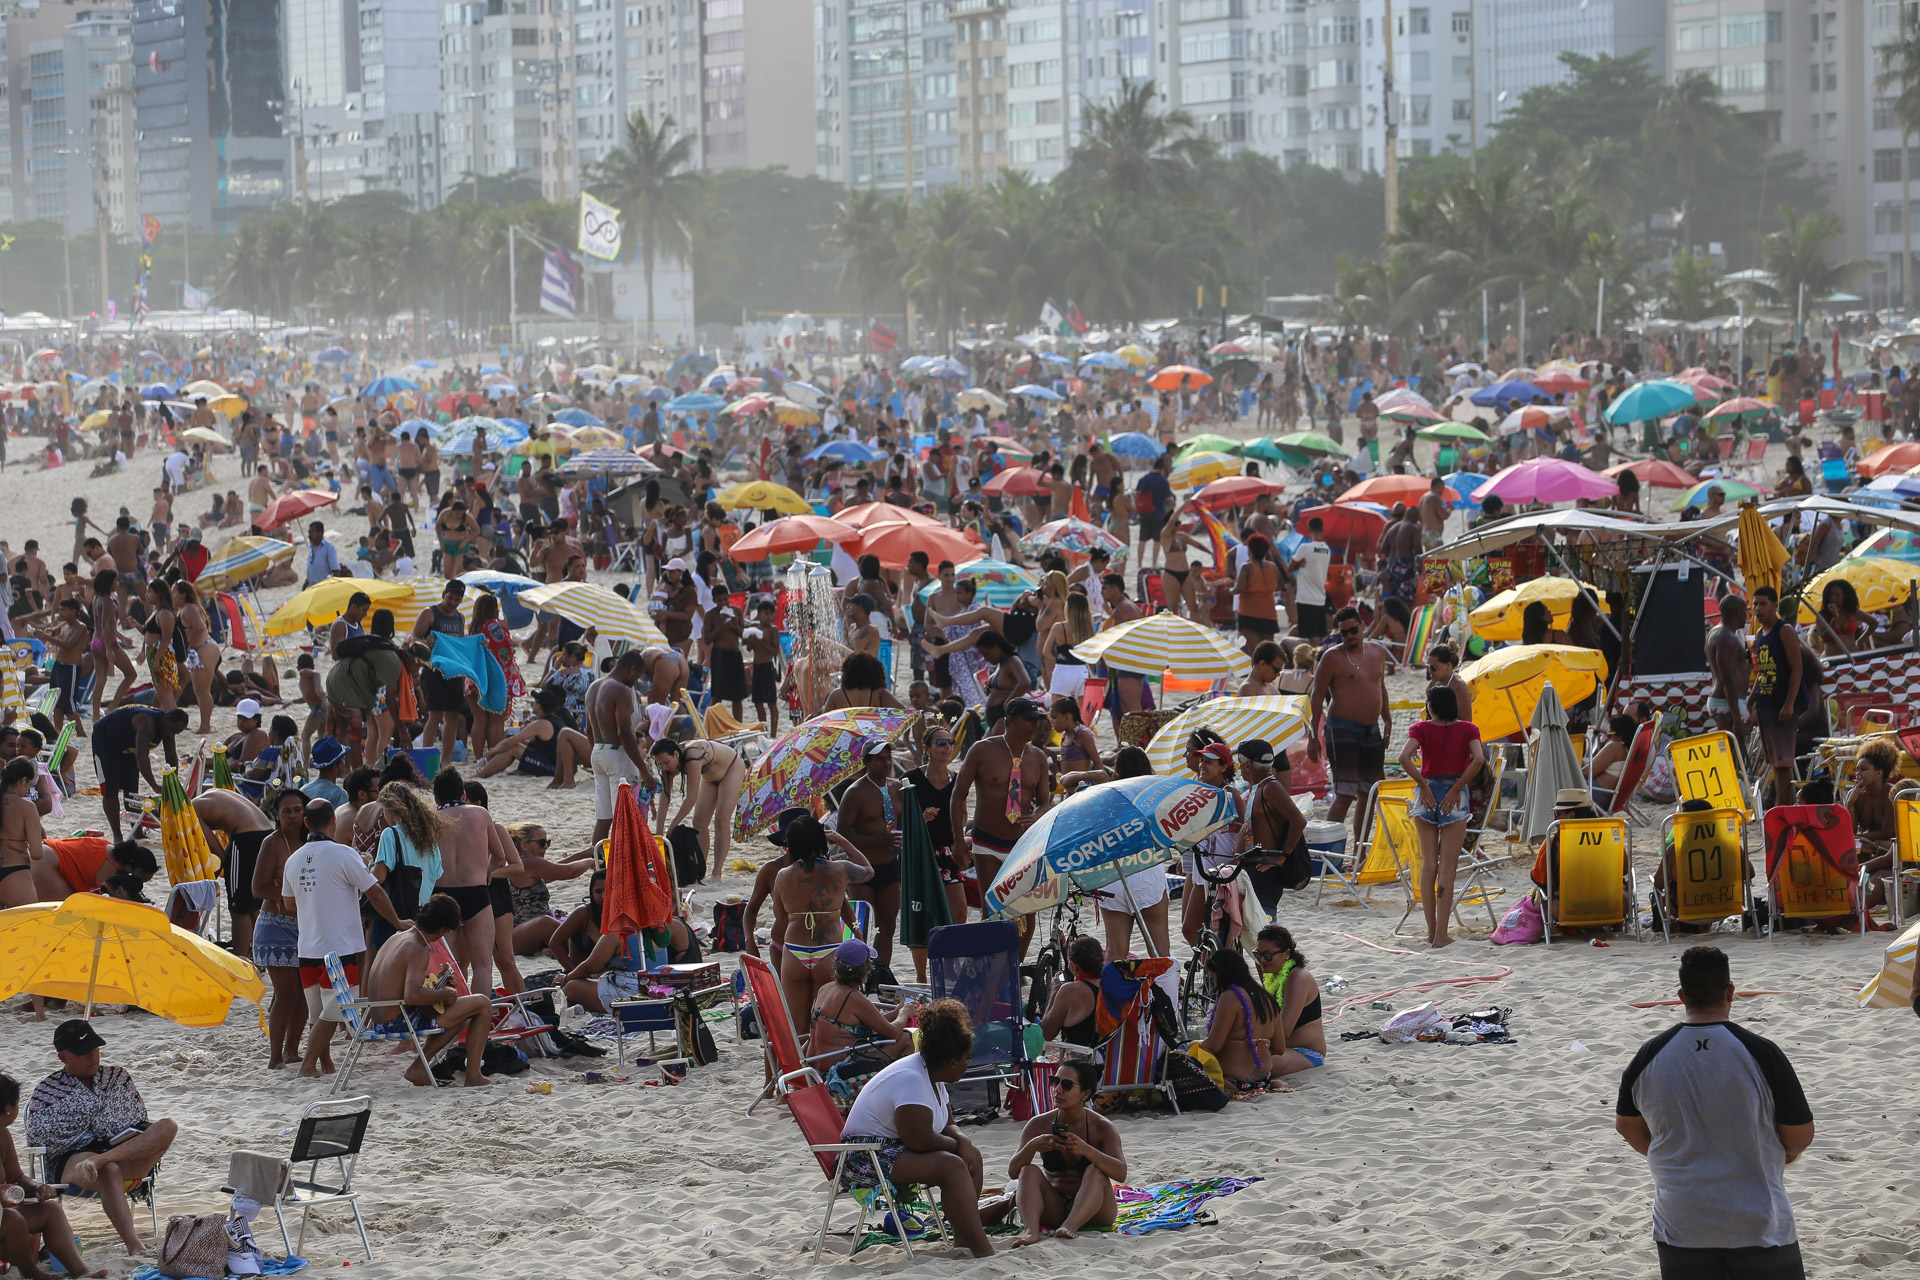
1901	71
316	242
1130	148
1023	218
1796	255
1109	256
946	265
651	178
865	225
1691	291
1685	128
1253	188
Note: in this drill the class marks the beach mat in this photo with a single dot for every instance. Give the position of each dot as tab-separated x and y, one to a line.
1159	1206
268	1267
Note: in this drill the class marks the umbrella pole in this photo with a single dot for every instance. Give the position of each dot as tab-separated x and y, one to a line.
93	976
1133	909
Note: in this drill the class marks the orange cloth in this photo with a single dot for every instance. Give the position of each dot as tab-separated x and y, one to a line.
639	885
1078	507
80	860
409	705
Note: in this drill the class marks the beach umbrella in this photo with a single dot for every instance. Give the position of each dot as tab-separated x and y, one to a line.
606	462
1552	763
1533	417
1279	719
845	451
1413	413
1507	684
1498	393
1736	491
791	534
591	605
923	895
1460	431
1263	448
810	759
1739	408
980	398
1310	442
1656	473
207	436
1133	444
1074	538
1211	442
1761	554
1547	480
202	387
1180	377
1899	457
1009	448
578	418
45	355
805	393
1498	618
156	391
244	557
1387	490
639	889
541	399
695	402
1166	642
92	949
94	421
1650	400
183	841
1235	491
944	368
1135	355
1881	582
292	506
413	426
334	355
740	386
1102	360
1346	522
507	586
997	583
1103	834
764	495
1197	469
868	514
1034	391
1226	349
1702	379
389	386
1559	381
595	438
422	594
1017	482
326	600
894	543
230	406
423	365
693	365
1467	484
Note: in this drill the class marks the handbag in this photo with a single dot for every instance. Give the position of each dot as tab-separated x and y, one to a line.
689	864
696	1042
404	880
194	1247
1193	1088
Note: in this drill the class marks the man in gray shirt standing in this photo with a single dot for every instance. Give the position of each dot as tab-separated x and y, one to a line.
1719	1114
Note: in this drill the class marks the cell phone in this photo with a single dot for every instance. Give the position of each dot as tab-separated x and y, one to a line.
1060	1130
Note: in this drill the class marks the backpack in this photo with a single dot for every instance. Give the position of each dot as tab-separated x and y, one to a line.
1142	502
1193	1088
694	1036
689	864
729	927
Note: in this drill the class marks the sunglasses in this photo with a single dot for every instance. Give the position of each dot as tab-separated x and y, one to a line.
1349	631
939	742
544	842
1266	955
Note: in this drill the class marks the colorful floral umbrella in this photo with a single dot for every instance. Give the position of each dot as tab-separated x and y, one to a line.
999	583
810	759
1073	538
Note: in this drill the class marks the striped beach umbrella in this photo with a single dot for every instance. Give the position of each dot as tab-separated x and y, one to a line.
606	462
422	594
244	557
1197	469
326	600
1281	719
592	605
1166	642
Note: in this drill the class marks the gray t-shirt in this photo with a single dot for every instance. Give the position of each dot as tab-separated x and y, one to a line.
1712	1093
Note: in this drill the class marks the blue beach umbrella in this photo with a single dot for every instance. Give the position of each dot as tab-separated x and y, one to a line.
1464	483
695	402
156	391
1102	360
1505	392
1037	392
334	355
389	386
844	451
578	418
1134	444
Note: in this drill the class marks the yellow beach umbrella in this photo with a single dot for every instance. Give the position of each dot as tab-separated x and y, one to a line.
1198	469
764	495
1166	642
1280	719
596	438
592	605
206	436
1762	555
422	595
244	557
1135	354
231	406
324	601
1507	684
95	420
182	839
1499	618
102	950
1881	582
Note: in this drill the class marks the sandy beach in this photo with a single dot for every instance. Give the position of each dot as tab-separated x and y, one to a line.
1424	1161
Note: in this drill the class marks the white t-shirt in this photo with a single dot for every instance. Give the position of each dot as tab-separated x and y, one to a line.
325	880
176	468
1310	580
902	1083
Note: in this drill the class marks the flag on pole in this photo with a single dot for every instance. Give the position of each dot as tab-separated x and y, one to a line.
558	280
1076	321
149	229
599	229
195	299
882	337
1051	318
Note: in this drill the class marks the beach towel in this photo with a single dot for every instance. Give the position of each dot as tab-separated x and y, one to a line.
268	1267
468	656
639	890
1159	1206
923	898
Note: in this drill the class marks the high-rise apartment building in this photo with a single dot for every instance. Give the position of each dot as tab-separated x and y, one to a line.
886	89
355	68
1526	38
71	130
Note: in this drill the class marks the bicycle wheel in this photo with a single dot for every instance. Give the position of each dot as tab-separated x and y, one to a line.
1047	967
1196	988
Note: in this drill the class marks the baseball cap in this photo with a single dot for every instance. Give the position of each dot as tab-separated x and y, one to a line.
76	1035
677	563
875	746
853	953
247	708
1219	752
327	752
1025	709
1256	751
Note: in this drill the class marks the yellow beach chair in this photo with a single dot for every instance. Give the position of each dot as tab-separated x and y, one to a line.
1372	864
1708	768
1594	886
1708	879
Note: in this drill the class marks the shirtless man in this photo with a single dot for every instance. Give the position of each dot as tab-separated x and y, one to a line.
399	987
123	544
612	711
1264	679
1350	695
442	698
1727	662
870	817
259	494
1010	773
36	569
1113	594
944	600
67	636
1059	492
235	828
379	448
551	562
1104	469
1433	514
407	458
472	850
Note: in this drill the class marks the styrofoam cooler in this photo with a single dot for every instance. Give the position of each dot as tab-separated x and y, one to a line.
1326	840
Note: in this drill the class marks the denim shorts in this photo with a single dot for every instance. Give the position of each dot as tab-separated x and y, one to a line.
1439	786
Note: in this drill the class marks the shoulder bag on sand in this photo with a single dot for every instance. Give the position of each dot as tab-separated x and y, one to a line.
194	1246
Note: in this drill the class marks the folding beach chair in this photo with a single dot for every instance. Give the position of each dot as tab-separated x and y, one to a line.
1633	772
1393	820
136	1191
1133	1055
1708	878
512	1020
811	1104
1835	474
1813	871
193	905
331	1130
1092	698
1707	767
978	964
1906	854
1372	864
356	1014
1593	885
784	1048
633	1017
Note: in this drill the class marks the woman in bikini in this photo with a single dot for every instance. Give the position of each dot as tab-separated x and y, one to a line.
203	653
714	774
533	919
276	932
1079	758
1081	1161
1178	578
164	647
810	894
109	652
549	746
846	1024
1244	1021
1300	1041
863	683
22	841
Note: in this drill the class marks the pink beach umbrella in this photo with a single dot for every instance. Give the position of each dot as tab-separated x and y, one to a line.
1547	480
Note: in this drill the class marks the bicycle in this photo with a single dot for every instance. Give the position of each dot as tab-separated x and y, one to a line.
1046	968
1197	991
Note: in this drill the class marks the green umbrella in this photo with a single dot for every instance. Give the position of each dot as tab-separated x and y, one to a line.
923	899
1209	444
1311	442
1453	431
1264	448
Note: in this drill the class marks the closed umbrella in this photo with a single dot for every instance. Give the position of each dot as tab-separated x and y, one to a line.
639	892
1507	684
183	841
1166	642
1551	764
1761	554
923	896
1280	719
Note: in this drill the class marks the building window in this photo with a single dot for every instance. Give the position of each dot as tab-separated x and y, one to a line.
1692	37
1463	108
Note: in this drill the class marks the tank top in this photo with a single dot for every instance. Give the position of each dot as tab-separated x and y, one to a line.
453	626
1063	656
1257	600
1770	673
1020	626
